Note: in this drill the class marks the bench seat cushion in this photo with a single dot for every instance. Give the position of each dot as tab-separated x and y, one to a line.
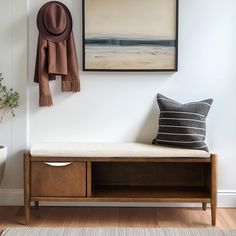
80	149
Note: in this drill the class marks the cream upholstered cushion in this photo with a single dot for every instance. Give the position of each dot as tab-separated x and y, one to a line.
80	149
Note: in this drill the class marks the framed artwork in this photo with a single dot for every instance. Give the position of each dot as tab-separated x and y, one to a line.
130	35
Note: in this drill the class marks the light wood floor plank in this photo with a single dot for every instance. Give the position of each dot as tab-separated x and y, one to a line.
114	216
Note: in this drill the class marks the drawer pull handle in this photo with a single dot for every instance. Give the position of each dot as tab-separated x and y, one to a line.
58	164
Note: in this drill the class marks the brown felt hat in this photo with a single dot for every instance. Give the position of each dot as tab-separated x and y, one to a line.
54	21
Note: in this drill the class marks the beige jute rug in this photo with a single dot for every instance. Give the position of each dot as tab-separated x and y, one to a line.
31	231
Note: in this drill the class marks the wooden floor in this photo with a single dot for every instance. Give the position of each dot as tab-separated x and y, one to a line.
113	216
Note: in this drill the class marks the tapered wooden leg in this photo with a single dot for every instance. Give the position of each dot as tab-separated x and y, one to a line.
27	213
27	187
213	188
36	204
213	213
204	206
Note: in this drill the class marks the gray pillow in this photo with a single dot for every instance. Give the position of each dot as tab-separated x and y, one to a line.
182	125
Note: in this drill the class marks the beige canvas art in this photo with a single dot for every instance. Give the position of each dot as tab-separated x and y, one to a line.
130	34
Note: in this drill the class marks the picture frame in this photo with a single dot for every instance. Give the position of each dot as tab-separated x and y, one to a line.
127	38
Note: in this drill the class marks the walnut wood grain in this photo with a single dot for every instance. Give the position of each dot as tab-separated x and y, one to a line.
124	199
89	179
122	180
63	181
213	188
124	159
27	187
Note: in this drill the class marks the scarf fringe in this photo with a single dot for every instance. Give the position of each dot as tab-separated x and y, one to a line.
66	86
75	86
45	100
70	86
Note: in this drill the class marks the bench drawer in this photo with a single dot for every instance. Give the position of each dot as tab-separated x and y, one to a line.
58	179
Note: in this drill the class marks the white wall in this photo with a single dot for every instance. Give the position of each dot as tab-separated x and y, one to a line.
121	107
13	65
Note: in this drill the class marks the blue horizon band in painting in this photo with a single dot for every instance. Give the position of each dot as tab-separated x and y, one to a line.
129	42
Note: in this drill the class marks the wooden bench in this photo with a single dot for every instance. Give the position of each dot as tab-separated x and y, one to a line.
126	172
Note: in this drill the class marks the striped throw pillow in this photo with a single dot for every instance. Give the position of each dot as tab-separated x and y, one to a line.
182	125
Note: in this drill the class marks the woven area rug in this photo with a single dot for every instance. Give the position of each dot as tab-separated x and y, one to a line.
31	231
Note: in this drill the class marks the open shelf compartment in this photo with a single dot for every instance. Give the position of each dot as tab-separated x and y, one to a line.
150	180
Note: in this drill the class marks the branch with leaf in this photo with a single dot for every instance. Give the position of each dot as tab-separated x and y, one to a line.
9	100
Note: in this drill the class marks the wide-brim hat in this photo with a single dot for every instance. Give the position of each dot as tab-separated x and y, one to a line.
54	21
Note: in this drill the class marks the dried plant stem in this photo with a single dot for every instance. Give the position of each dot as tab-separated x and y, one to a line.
4	112
9	100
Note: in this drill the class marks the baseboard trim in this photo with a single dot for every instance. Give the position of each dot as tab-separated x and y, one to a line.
227	198
15	197
11	197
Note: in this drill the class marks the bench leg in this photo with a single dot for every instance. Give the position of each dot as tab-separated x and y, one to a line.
204	206
27	188
213	213
27	213
213	188
36	204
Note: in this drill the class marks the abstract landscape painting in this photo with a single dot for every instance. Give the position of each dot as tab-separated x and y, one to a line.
123	35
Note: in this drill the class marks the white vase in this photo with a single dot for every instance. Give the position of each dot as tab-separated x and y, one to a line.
3	157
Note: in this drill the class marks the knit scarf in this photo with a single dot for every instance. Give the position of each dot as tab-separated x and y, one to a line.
56	59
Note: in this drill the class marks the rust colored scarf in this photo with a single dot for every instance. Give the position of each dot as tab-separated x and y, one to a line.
56	59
